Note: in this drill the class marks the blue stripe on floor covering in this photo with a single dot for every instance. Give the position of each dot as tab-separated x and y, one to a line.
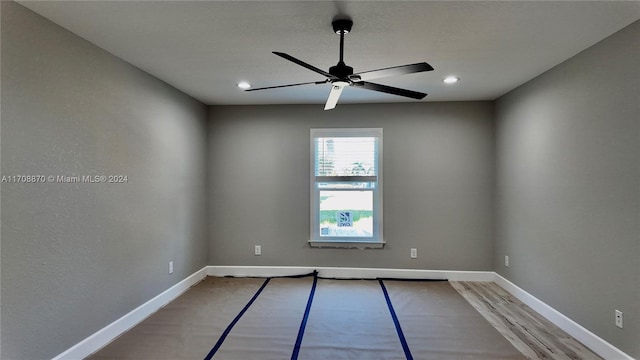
296	348
235	320
403	341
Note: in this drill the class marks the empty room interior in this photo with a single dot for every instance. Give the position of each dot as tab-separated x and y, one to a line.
320	179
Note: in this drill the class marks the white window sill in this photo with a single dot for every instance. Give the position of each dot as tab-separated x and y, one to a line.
346	244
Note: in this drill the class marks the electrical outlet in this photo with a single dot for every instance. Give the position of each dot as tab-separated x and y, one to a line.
414	253
619	319
170	267
506	260
258	250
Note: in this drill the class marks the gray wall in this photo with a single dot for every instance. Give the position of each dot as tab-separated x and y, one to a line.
438	183
568	187
76	257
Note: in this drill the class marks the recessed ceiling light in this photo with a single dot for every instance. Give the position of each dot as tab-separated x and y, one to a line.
244	85
451	80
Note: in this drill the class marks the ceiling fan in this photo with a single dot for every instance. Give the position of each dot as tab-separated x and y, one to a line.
341	75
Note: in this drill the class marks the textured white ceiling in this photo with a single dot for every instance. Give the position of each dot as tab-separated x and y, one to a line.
205	47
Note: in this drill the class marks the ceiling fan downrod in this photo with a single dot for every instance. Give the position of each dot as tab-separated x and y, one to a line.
341	70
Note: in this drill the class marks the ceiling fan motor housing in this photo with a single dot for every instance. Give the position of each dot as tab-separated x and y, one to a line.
341	71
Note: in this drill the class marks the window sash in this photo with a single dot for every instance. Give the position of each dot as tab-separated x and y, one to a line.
345	156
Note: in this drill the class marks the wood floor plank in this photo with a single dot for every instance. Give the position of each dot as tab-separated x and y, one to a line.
492	315
528	331
533	330
523	327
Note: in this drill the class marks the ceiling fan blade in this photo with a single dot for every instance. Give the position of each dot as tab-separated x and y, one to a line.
392	71
334	95
304	64
281	86
390	90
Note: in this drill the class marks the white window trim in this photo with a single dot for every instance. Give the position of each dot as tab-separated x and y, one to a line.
375	242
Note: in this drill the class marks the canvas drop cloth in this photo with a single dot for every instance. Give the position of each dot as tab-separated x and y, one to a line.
264	319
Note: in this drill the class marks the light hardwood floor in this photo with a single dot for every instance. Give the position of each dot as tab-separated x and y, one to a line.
528	331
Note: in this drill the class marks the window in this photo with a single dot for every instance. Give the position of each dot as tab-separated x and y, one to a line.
346	188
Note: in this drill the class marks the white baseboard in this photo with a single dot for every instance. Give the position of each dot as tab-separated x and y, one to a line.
107	334
350	273
589	339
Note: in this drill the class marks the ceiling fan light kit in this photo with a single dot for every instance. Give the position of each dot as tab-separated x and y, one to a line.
341	75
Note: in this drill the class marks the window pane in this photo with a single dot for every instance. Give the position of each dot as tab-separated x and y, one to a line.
345	156
346	213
